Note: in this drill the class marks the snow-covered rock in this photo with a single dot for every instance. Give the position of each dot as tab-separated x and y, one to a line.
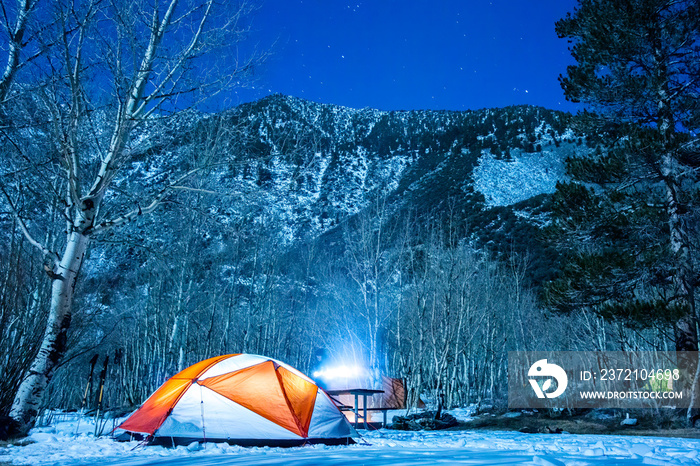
506	182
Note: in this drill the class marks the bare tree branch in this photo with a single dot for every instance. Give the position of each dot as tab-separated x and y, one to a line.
15	45
151	207
23	226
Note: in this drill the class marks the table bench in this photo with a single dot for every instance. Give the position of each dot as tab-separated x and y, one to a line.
364	393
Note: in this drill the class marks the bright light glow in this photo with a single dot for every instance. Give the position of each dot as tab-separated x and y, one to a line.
339	372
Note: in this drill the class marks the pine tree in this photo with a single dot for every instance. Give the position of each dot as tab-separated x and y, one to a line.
629	214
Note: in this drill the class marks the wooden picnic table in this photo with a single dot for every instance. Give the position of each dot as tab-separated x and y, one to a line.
364	393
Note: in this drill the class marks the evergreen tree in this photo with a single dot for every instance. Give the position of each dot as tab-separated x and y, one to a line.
629	215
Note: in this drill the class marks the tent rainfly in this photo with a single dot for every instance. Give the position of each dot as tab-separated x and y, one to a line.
242	399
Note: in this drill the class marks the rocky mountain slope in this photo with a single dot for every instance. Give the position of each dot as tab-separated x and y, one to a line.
300	169
315	165
319	163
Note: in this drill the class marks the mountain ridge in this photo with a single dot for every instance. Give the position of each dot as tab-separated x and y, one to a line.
359	150
307	167
297	171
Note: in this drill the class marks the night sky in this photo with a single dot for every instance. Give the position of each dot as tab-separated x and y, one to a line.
412	54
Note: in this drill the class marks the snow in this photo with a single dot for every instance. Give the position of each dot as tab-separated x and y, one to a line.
59	445
507	182
463	414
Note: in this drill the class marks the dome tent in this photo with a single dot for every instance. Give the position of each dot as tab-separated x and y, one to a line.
243	399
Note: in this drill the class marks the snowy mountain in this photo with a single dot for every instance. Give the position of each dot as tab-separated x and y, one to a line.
302	169
315	164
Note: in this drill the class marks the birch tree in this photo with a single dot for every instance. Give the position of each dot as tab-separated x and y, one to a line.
372	267
114	68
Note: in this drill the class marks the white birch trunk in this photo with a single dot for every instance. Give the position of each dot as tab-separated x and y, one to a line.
27	401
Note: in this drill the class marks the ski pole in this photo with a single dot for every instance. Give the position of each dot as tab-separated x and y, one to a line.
103	375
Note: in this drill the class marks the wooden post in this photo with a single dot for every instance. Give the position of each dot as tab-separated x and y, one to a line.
356	410
364	408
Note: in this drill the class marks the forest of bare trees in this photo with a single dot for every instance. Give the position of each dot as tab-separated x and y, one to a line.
411	300
120	241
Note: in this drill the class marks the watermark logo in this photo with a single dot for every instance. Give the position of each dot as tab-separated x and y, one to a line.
602	379
552	372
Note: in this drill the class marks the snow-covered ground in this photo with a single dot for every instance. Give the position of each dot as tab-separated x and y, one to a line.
58	445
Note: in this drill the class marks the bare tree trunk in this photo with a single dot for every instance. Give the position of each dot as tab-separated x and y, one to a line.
31	391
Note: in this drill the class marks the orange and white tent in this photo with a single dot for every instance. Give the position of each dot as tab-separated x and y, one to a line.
244	399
